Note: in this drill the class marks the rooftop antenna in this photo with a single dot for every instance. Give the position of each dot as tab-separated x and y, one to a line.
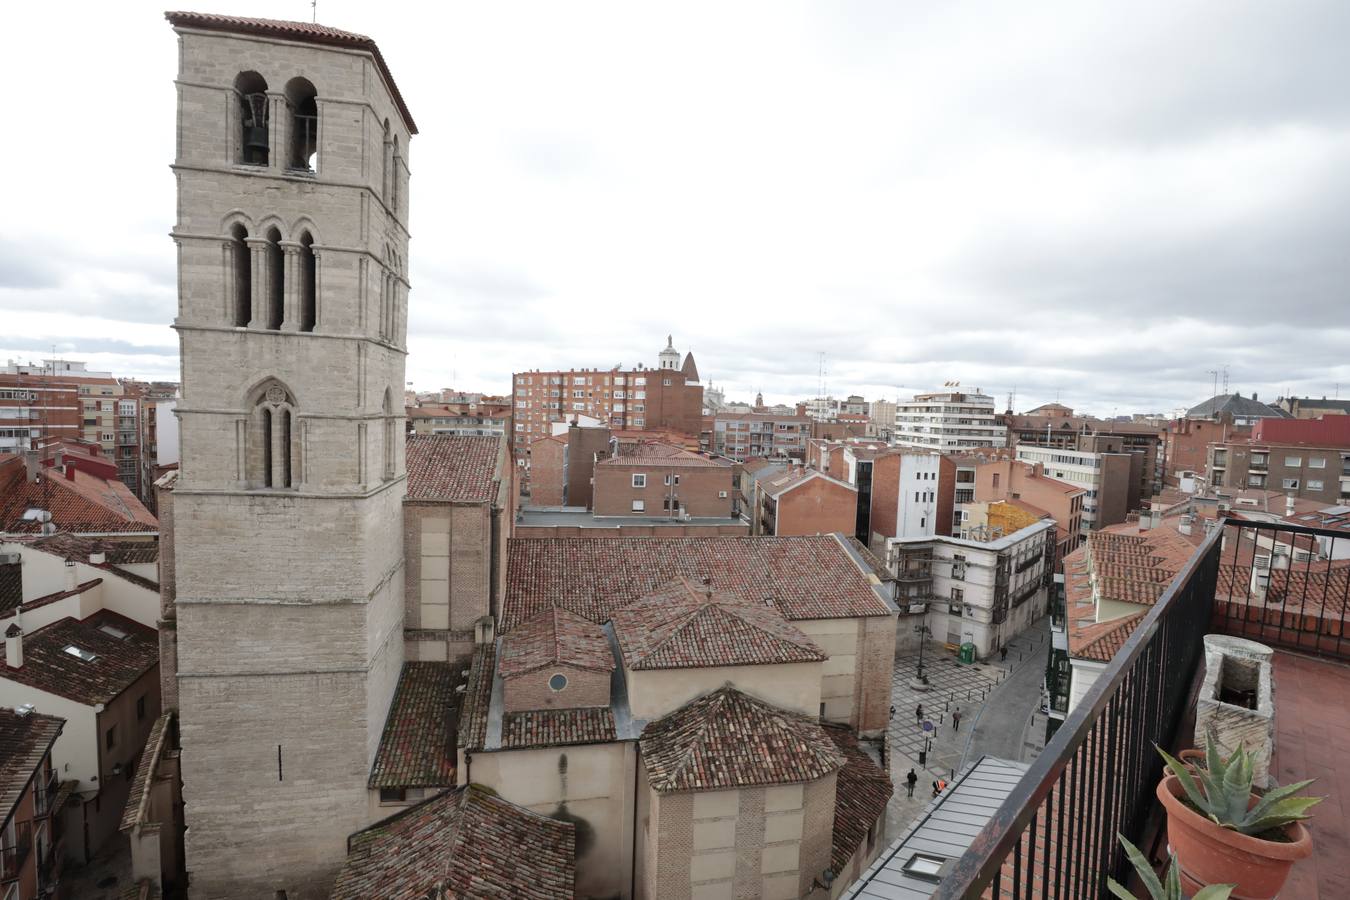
1215	373
820	385
314	11
1225	380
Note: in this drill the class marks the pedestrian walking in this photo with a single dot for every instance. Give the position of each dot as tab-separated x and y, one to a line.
935	789
918	714
892	712
956	719
910	780
1003	653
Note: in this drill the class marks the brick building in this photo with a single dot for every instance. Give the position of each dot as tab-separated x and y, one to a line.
740	436
911	494
1054	425
467	417
29	786
657	479
667	397
1307	458
35	410
1111	480
1186	448
800	501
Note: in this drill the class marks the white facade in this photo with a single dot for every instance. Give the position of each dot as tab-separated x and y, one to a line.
917	498
948	422
1079	468
984	593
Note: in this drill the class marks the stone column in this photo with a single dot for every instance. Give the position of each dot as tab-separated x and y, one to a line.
290	317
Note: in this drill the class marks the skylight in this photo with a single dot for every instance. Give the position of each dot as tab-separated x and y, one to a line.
113	631
80	653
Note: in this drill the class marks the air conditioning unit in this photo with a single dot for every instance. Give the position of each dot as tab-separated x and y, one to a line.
721	495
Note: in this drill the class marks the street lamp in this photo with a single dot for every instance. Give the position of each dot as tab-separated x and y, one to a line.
923	631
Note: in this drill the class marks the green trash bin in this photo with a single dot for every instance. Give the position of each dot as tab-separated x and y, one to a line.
967	654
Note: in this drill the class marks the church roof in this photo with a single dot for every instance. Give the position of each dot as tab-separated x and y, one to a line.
1235	405
304	32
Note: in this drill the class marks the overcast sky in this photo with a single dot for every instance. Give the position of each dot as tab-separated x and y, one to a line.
1100	202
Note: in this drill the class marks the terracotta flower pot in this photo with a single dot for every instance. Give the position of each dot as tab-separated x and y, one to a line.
1193	758
1210	854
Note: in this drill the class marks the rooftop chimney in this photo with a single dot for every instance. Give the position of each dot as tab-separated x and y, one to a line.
98	558
31	466
14	646
71	583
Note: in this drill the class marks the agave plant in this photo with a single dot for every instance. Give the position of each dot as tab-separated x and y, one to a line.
1221	790
1157	888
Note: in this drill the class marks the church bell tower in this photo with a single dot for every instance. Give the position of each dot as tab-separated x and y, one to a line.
292	239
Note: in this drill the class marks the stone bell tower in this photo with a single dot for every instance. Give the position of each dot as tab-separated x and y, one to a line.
292	239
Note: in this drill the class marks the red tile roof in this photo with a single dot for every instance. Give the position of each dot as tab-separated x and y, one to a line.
417	747
555	636
809	577
305	32
1102	640
659	454
453	467
473	711
557	727
797	476
155	743
464	842
682	625
85	504
24	741
118	551
118	662
11	586
727	739
862	791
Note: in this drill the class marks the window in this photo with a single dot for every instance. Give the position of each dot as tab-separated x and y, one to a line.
254	140
557	682
1293	462
302	105
639	506
995	480
80	653
276	280
241	271
1290	484
110	738
393	795
140	708
1317	462
639	395
308	272
270	442
639	481
388	438
113	631
955	604
672	479
1314	485
666	382
639	381
959	567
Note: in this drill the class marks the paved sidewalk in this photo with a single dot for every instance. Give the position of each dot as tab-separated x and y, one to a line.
999	704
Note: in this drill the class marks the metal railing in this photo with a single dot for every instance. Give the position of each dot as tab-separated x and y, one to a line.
1055	835
14	855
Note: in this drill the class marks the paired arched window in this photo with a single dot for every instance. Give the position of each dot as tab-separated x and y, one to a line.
388	167
271	447
308	272
254	140
302	104
393	179
276	280
241	271
390	288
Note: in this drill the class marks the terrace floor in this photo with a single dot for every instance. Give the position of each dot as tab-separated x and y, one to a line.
1312	739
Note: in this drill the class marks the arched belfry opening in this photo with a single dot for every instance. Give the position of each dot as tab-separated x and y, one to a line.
302	105
308	273
254	139
389	437
276	280
241	272
272	442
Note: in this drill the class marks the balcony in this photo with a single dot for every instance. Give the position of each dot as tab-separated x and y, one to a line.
14	855
1055	834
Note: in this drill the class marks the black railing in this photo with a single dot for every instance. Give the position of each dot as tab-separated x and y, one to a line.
46	794
1055	835
13	855
1284	586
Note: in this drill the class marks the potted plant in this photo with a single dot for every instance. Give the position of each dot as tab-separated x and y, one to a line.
1157	888
1222	832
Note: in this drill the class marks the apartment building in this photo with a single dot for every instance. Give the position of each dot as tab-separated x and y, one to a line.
667	397
1306	458
1110	479
1046	427
907	493
983	589
29	785
802	501
35	410
949	421
467	418
740	436
1021	482
656	479
1312	408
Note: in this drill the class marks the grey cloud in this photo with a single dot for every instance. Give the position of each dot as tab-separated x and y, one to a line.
21	267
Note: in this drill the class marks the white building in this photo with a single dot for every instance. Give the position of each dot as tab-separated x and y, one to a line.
979	592
948	421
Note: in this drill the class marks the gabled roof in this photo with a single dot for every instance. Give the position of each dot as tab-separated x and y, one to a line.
118	661
727	739
557	727
555	637
796	477
80	503
1234	405
117	551
417	747
24	740
1102	640
464	842
304	32
682	626
658	454
453	467
473	711
808	577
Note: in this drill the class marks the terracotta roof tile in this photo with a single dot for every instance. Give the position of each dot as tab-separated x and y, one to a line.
155	743
862	791
682	626
24	740
1102	640
727	739
659	454
555	636
307	32
118	661
796	476
809	577
452	467
417	748
473	711
11	586
464	842
85	504
557	727
118	551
